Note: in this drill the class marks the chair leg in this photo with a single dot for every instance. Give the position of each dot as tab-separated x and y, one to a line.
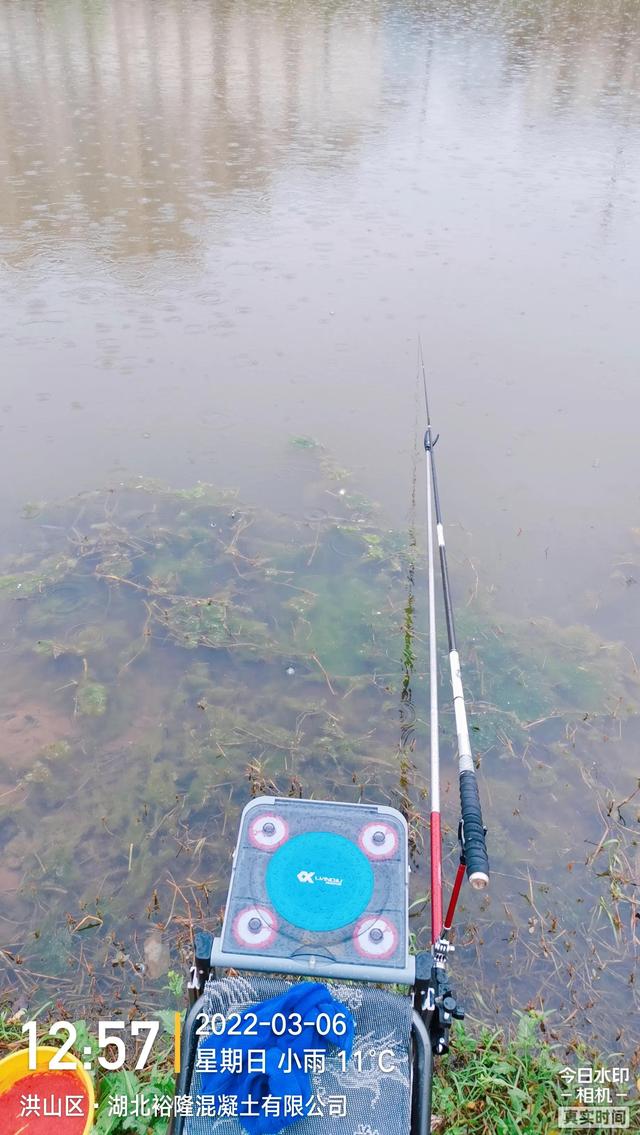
422	1081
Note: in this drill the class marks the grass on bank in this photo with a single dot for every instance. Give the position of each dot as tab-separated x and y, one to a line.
490	1086
486	1085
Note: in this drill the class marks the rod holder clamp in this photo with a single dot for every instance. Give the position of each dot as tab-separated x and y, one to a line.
445	1009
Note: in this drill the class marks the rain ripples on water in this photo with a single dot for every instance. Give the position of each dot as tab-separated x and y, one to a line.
222	227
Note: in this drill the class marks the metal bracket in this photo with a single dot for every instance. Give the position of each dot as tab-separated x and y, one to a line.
463	858
461	842
441	950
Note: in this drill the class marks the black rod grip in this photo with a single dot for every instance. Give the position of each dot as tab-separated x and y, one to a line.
475	844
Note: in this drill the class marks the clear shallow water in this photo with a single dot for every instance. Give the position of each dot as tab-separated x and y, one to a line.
225	224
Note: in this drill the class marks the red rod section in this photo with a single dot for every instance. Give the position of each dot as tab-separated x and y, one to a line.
451	909
436	877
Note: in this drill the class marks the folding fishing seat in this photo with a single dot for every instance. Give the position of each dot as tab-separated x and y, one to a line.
320	891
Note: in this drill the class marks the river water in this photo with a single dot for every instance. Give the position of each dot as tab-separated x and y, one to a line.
223	225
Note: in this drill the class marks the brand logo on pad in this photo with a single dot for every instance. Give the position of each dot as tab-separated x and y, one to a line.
309	877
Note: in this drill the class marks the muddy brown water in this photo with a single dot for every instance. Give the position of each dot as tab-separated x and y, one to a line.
225	224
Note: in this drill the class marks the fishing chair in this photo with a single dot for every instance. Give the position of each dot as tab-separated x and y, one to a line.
320	890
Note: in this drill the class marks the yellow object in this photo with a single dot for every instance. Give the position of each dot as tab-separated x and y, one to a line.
15	1067
177	1026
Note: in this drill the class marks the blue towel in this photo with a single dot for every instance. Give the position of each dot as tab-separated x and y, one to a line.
307	1000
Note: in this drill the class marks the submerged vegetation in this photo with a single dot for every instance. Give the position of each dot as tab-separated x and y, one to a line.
167	652
195	569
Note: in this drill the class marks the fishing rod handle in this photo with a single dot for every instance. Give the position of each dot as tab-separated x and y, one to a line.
475	846
474	840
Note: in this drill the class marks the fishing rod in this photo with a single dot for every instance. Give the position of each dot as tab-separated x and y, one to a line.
473	857
434	998
434	733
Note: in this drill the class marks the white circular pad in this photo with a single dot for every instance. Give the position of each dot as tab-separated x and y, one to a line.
378	840
375	938
255	926
268	831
